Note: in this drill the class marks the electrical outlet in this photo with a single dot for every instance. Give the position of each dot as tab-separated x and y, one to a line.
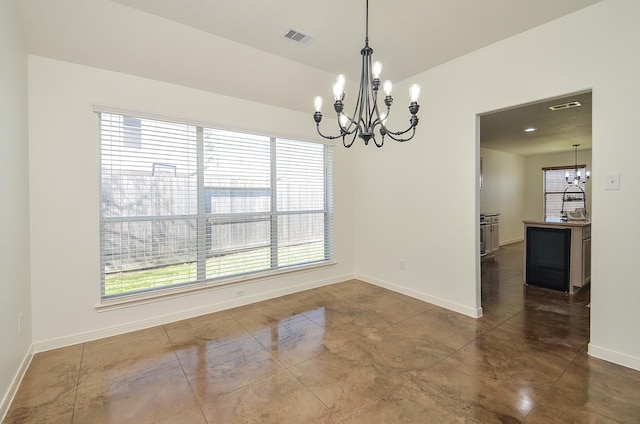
19	323
240	292
402	264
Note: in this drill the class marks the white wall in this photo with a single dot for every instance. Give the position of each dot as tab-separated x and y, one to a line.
14	204
534	201
410	205
65	205
415	202
503	191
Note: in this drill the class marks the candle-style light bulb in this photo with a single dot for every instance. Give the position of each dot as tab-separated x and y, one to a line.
338	87
343	120
414	92
376	69
566	175
317	103
387	86
588	174
337	91
578	174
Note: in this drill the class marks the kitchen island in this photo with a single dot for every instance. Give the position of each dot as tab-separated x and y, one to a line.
558	254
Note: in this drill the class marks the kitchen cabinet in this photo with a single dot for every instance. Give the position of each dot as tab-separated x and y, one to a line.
492	232
558	254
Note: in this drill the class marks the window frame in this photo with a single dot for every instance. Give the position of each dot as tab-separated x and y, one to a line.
562	170
273	216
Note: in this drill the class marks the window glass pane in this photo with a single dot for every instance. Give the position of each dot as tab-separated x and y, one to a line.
155	177
300	176
301	238
150	254
238	247
237	172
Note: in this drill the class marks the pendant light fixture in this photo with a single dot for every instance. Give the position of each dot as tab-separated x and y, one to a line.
367	117
575	191
577	177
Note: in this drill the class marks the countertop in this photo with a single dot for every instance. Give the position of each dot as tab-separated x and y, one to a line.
559	223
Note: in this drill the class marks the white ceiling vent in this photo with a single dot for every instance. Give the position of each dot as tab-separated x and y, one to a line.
297	37
565	106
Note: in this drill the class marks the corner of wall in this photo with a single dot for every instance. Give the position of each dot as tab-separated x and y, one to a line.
15	383
614	357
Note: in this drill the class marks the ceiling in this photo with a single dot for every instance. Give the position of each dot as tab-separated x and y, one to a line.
410	36
236	48
555	131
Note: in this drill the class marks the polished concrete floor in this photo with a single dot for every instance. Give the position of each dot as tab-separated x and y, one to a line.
346	353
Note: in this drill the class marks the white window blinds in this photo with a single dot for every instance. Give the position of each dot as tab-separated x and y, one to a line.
185	204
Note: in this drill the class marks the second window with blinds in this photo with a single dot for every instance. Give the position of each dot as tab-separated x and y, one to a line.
555	184
185	205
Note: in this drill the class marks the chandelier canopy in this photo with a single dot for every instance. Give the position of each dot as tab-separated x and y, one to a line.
366	117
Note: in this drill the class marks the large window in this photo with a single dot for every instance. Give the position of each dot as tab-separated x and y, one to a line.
555	185
185	205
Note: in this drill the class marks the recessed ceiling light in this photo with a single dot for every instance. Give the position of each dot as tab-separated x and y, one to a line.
530	129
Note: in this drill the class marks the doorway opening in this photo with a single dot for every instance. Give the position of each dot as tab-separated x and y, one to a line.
514	146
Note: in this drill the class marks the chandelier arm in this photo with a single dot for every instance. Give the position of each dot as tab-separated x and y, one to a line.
343	131
344	142
374	111
367	96
379	121
398	133
347	129
413	123
394	136
360	124
363	97
328	137
391	134
357	120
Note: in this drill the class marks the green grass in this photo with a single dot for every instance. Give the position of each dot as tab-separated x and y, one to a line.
118	283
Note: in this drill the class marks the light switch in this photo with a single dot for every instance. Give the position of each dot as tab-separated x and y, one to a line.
612	182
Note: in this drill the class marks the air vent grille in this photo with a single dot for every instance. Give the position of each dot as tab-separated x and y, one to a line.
297	37
565	106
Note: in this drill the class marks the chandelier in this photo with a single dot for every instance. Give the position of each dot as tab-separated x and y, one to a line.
577	177
574	191
367	117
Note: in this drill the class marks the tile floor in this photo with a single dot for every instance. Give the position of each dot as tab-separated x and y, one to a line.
345	353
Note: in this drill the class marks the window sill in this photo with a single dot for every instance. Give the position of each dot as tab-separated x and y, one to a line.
170	293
